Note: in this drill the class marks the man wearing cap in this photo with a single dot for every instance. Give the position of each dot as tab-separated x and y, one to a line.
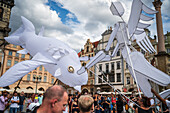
3	101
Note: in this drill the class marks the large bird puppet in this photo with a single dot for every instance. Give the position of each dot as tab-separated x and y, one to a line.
56	56
141	70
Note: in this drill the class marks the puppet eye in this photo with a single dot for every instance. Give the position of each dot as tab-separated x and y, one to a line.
70	69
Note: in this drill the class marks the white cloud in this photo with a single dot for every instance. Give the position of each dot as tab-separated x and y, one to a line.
69	15
94	17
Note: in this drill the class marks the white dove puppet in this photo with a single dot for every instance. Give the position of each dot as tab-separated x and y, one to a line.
140	69
57	57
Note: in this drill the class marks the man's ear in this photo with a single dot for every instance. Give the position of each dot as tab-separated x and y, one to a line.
53	102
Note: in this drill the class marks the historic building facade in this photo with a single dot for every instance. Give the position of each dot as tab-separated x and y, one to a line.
110	71
5	12
167	47
89	50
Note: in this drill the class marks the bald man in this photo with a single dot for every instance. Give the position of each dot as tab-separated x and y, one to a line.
54	101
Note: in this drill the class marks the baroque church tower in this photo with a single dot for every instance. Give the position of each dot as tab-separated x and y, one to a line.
5	12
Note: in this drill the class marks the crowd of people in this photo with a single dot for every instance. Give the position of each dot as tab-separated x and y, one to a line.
56	100
116	103
14	103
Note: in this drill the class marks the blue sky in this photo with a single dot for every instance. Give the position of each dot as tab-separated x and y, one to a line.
63	13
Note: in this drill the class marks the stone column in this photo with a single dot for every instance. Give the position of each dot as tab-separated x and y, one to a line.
162	56
161	45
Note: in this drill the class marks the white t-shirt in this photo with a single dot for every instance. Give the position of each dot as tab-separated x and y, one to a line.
14	105
168	103
152	101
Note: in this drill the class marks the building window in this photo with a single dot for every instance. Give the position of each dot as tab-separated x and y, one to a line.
100	79
105	78
1	13
22	56
87	49
10	53
134	82
118	65
118	77
45	78
15	62
40	68
111	52
33	79
45	69
30	57
107	68
91	74
112	78
126	65
39	78
14	46
112	66
100	67
168	50
28	77
17	54
142	51
9	63
118	53
127	80
83	64
52	80
91	81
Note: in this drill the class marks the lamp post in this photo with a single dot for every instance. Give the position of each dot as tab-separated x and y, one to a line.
37	77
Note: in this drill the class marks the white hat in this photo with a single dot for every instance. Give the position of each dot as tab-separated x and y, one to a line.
32	106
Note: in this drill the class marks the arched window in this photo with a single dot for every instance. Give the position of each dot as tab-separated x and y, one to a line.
1	13
87	49
41	89
7	87
29	87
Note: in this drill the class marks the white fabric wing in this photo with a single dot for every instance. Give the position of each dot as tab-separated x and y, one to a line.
136	28
141	65
145	71
99	56
85	58
13	40
117	9
41	31
17	71
164	94
23	51
112	36
143	83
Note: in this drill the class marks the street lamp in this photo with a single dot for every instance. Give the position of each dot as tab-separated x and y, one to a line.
37	77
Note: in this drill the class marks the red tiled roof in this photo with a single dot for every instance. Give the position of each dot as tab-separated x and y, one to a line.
95	44
79	53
